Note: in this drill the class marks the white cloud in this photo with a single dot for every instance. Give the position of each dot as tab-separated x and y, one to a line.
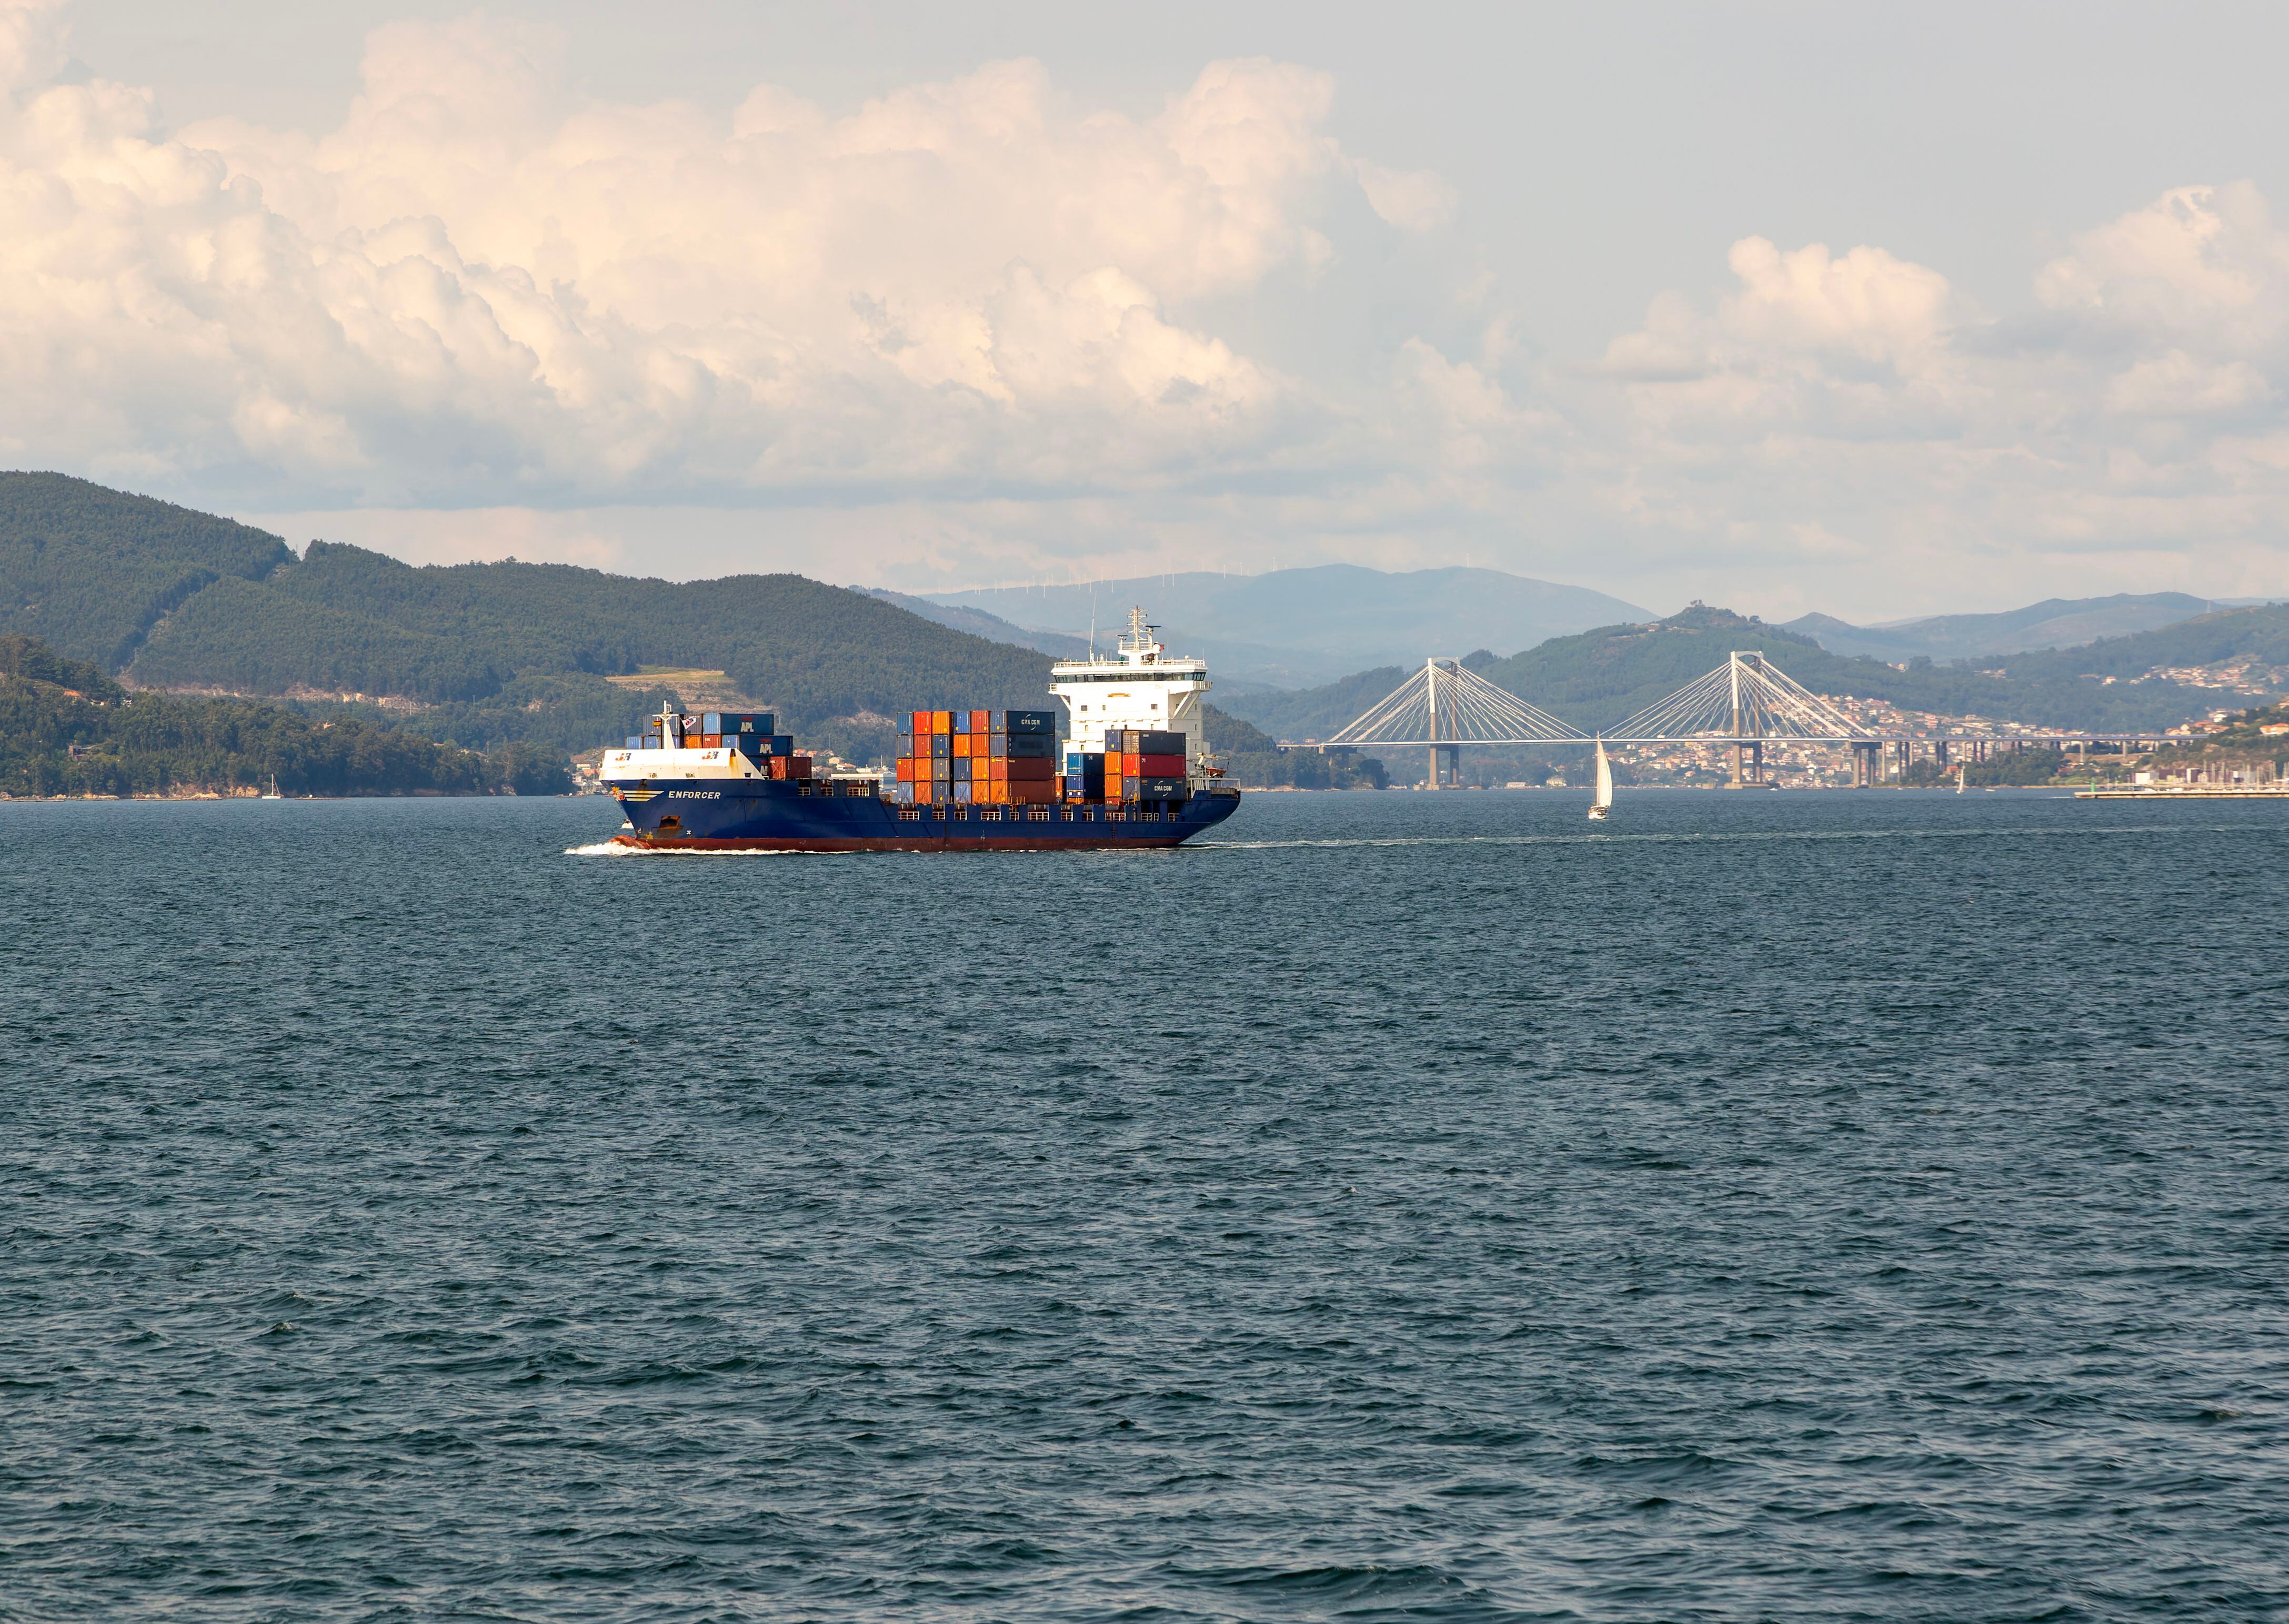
983	329
480	288
1865	303
2176	386
1411	199
2119	443
2202	263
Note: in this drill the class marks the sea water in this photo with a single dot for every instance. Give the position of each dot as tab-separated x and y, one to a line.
1803	1205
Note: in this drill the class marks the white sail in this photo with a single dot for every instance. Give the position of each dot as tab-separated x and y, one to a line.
1604	798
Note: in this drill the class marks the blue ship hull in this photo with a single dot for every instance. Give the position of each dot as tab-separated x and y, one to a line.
773	814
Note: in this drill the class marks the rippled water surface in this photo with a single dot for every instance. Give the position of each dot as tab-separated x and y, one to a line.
1790	1206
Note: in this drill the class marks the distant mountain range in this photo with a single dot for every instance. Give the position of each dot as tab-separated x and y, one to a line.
2054	622
978	623
487	655
1594	679
1296	627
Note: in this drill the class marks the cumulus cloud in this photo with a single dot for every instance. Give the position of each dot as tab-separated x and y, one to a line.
1417	200
1857	397
480	287
2202	263
2177	386
983	329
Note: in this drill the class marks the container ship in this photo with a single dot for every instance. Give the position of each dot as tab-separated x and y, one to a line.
1126	765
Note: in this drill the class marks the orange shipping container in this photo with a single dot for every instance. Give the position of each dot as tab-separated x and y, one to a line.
941	722
905	770
960	745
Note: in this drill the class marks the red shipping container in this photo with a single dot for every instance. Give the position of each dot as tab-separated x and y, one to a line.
923	723
798	767
978	722
905	770
1161	767
1021	770
1029	794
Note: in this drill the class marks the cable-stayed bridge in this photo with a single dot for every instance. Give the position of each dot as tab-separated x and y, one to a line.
1744	704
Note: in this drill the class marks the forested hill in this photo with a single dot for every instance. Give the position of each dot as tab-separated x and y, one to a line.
68	730
345	620
88	570
2257	638
179	600
1597	678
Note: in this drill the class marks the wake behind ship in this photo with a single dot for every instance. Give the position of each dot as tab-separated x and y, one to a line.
1129	766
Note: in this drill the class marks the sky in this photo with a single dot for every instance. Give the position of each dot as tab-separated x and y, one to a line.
1873	311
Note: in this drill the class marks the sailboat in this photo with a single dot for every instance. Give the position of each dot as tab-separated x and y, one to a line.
272	792
1602	802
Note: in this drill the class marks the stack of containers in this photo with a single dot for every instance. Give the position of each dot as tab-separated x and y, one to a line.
1026	765
1144	764
979	758
925	771
751	733
1084	775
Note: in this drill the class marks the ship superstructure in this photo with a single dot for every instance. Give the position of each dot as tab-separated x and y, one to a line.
1139	686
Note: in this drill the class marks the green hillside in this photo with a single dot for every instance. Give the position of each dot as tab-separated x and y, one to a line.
66	729
2258	637
90	570
497	653
346	620
1596	679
